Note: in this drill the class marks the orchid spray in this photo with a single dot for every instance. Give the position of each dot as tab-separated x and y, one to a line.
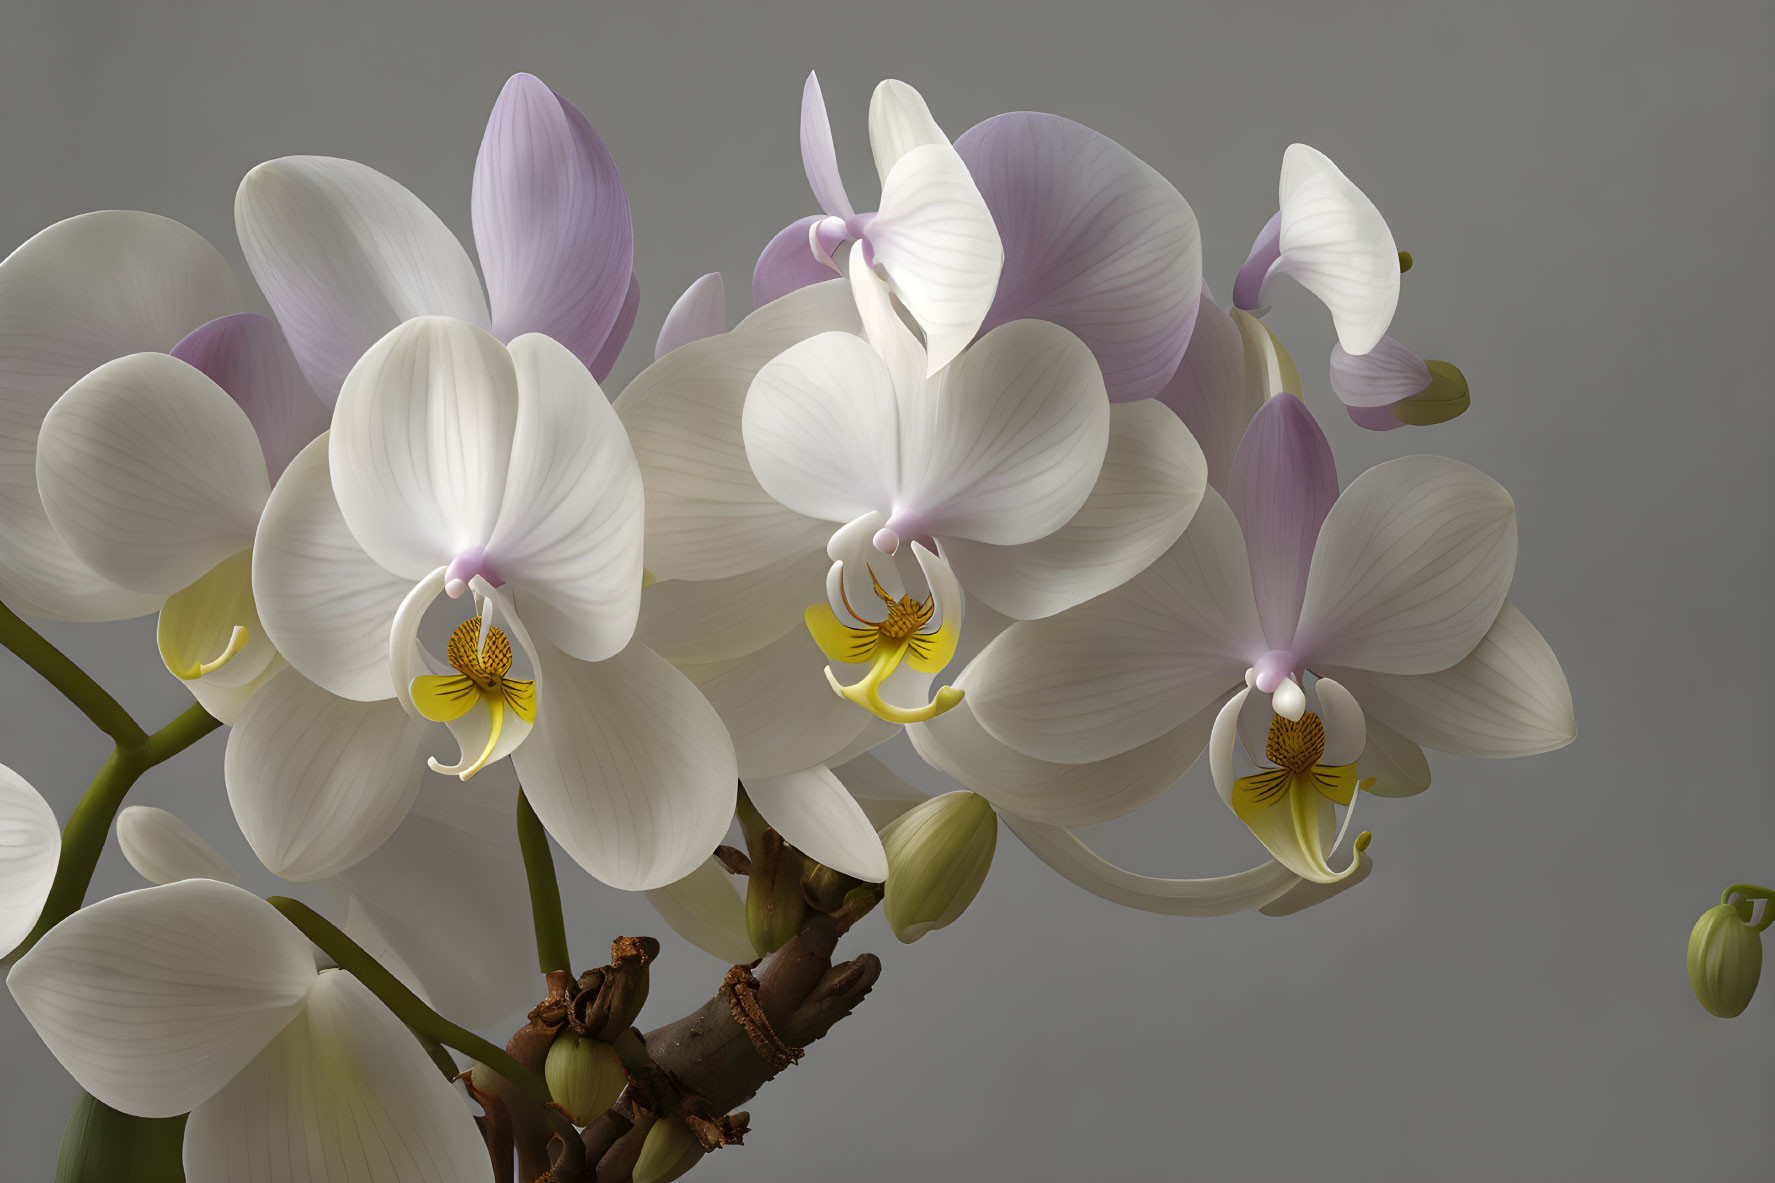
988	465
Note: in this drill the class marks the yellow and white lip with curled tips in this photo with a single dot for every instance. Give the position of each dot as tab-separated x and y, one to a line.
879	623
482	657
1289	805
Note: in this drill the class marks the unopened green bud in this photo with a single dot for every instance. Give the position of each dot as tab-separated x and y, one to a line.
1445	398
938	855
1725	959
101	1143
585	1076
669	1151
775	906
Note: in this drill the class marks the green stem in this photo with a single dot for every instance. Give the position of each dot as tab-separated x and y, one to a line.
406	1006
83	838
545	892
75	684
438	1055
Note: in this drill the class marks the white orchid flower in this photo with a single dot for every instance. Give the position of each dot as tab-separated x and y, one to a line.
190	443
461	941
1330	237
932	234
1001	464
30	850
83	292
520	487
1395	590
199	997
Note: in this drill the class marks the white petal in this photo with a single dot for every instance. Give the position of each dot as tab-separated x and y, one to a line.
821	428
318	782
1058	794
326	604
363	930
154	999
227	702
899	121
30	849
700	312
881	792
1209	391
707	515
1337	245
570	525
819	158
700	622
1307	894
778	707
705	910
84	291
163	849
150	472
816	815
344	1095
1410	569
1122	669
628	766
1394	765
448	893
1151	481
1008	449
936	238
1346	734
344	254
1219	896
1220	744
1508	697
422	442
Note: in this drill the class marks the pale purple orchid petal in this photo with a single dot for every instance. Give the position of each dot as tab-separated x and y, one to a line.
247	356
700	312
1378	378
819	158
1209	392
788	263
619	333
1266	252
1095	241
551	221
1282	485
1374	418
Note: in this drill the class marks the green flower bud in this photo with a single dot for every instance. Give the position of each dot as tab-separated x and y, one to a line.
584	1075
1445	398
938	855
1725	959
669	1151
101	1143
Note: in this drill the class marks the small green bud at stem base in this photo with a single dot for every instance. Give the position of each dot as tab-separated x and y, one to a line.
669	1152
584	1075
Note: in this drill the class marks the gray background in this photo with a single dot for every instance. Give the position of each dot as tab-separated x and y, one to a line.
1586	189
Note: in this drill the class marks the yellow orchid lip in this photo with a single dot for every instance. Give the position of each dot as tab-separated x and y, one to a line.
237	640
900	636
1286	806
482	656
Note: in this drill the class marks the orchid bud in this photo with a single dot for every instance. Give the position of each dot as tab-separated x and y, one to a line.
669	1151
101	1143
938	855
1445	398
1725	959
584	1075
